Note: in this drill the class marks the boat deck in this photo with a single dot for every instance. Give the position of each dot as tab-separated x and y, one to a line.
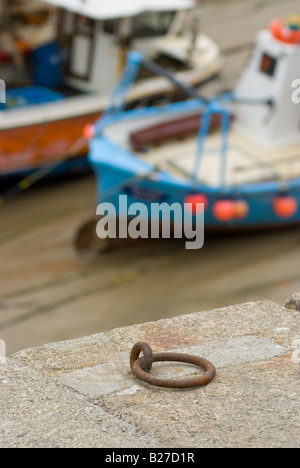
246	161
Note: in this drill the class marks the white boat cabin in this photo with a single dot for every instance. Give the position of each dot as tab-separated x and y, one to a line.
270	74
262	144
98	34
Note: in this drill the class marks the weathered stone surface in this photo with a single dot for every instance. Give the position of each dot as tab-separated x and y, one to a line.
81	393
38	413
114	376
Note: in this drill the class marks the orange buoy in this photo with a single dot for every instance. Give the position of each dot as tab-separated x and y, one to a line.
224	210
89	131
195	199
285	32
241	209
285	206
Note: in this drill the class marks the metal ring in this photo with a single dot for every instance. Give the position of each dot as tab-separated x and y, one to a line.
146	360
138	371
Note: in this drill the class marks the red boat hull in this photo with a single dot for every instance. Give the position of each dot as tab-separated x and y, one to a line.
27	148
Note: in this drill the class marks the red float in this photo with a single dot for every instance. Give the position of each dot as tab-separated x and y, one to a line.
195	199
224	210
241	209
285	206
282	32
89	131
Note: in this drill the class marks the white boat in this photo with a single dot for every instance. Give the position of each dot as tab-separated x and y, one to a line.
73	76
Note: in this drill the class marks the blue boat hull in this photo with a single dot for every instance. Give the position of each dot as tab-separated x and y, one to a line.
116	169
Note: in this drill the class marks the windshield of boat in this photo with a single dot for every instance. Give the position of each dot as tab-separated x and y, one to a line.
148	24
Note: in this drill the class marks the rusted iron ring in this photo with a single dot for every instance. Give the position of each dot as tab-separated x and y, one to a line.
146	360
138	368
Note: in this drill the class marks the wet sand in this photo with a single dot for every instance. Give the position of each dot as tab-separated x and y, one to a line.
48	294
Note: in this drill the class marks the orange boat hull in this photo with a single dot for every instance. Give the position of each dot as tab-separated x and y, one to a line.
27	148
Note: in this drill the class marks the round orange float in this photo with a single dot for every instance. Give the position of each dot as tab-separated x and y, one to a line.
241	209
227	210
285	206
195	199
224	210
286	30
89	131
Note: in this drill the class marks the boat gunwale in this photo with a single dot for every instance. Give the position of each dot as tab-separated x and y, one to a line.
249	189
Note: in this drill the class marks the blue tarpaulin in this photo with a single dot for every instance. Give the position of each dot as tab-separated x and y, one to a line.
32	95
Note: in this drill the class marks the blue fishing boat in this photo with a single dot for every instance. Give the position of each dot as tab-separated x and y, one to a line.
238	153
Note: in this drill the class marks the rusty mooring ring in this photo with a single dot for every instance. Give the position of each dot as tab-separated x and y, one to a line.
140	366
147	358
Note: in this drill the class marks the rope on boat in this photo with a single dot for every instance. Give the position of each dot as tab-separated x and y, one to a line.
43	171
190	91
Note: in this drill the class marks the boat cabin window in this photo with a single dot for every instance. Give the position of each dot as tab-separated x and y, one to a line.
111	26
153	24
84	25
145	25
268	65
